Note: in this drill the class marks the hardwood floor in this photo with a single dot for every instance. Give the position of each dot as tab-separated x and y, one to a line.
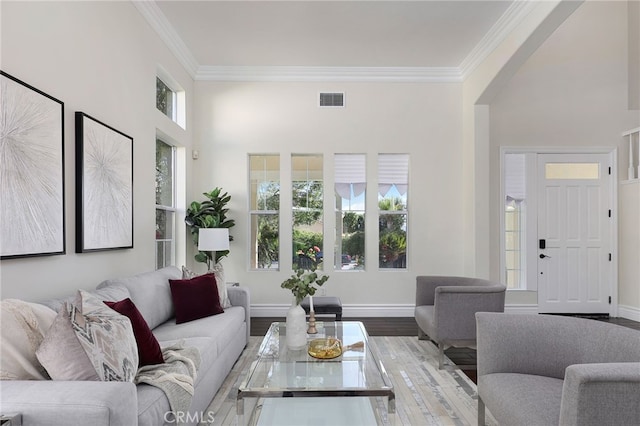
395	326
465	358
375	326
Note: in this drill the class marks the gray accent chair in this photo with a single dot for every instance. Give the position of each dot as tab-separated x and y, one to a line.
446	307
554	370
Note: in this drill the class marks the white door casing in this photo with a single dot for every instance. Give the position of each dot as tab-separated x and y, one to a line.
575	221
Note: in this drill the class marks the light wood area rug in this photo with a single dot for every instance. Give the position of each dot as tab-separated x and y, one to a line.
424	394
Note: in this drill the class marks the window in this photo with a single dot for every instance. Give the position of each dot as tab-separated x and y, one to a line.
166	99
515	202
572	171
264	198
165	204
307	211
171	98
350	188
393	185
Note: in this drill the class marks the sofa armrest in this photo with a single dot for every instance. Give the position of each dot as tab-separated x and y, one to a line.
426	290
240	296
49	402
597	394
455	308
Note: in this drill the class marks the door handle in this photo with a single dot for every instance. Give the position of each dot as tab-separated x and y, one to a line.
542	256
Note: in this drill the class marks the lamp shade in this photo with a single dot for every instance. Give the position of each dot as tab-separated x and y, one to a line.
213	239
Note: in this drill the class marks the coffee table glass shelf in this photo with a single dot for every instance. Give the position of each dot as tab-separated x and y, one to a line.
286	387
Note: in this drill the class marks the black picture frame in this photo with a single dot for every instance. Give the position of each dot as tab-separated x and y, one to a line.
104	186
32	211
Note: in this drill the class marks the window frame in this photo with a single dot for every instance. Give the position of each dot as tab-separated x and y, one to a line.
256	214
346	178
318	250
178	101
404	212
528	248
172	208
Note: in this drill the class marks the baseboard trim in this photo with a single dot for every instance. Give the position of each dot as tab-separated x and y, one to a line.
629	312
521	308
376	310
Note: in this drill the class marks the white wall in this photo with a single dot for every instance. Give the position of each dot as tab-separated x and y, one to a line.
571	92
424	120
99	58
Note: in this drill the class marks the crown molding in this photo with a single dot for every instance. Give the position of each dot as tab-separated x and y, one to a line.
509	20
159	22
342	74
497	34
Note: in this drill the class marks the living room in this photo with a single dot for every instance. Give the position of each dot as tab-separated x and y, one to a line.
562	78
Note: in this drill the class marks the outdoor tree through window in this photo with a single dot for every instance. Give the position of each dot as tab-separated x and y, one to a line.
350	186
165	204
393	185
307	205
265	208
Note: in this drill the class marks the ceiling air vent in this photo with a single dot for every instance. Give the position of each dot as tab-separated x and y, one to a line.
332	99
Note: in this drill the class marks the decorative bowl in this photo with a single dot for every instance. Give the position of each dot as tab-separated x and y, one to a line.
325	348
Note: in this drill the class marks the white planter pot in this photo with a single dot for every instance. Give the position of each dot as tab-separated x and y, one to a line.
296	336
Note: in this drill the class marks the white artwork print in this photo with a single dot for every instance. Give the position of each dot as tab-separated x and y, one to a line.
31	172
107	188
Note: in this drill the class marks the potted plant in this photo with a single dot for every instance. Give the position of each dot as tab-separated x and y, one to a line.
301	284
211	213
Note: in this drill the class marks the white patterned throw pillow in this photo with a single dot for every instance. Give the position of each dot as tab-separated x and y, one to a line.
23	328
97	338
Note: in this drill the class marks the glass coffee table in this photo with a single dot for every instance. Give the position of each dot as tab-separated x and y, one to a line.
285	387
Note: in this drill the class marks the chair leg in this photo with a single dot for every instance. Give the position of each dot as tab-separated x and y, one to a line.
422	335
481	410
440	355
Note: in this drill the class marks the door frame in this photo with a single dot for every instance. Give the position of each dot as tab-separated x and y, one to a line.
532	213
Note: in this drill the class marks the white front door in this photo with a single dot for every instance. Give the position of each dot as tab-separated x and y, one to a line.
574	233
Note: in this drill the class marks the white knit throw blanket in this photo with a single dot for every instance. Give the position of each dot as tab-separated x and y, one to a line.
175	377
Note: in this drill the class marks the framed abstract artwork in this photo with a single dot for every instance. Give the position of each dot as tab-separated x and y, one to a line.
32	217
104	186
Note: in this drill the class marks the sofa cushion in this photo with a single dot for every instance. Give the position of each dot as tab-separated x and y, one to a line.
221	328
149	351
150	293
23	328
103	336
195	298
111	293
521	399
152	402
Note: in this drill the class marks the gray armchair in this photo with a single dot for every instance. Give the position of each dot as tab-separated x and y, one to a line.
446	307
554	370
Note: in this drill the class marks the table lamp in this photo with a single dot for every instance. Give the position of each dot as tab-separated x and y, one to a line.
213	240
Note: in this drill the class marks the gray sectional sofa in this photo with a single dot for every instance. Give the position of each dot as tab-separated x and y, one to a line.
552	370
220	340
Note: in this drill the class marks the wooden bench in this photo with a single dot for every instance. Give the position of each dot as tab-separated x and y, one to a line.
324	305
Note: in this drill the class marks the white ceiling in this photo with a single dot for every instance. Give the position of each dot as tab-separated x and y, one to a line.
393	40
332	33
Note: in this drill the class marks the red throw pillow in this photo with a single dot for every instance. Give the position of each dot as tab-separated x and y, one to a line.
149	350
195	298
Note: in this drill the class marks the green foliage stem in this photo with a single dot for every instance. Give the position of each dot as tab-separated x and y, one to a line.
301	283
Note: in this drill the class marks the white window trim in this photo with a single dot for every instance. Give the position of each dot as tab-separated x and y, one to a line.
531	248
179	101
174	199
